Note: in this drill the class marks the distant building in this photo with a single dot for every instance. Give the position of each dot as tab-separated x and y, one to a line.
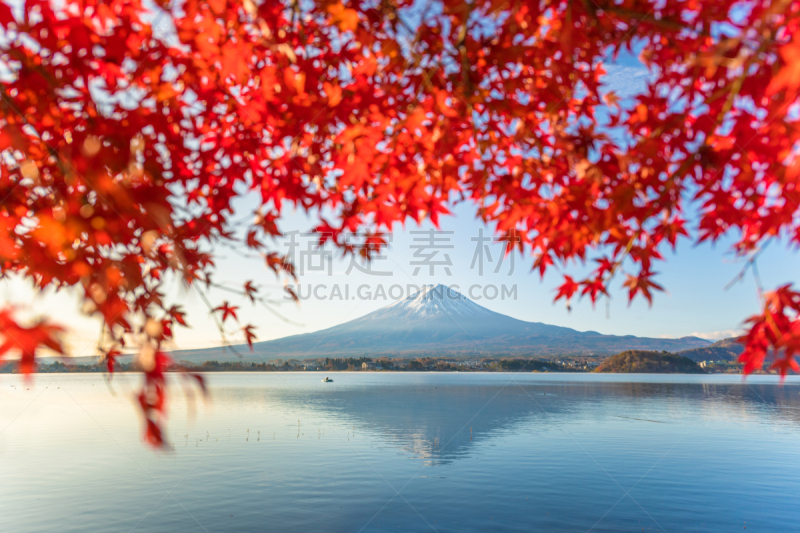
370	366
310	367
702	364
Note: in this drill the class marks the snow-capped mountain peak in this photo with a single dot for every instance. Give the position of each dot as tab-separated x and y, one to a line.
436	319
434	300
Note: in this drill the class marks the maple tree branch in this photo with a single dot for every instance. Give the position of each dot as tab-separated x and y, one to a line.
461	46
226	345
751	263
649	18
263	300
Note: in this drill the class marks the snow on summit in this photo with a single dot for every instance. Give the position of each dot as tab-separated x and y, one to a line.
434	300
436	319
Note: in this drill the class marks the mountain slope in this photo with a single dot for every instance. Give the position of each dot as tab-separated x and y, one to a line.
439	321
725	350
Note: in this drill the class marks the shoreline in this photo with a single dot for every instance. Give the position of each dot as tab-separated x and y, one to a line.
372	372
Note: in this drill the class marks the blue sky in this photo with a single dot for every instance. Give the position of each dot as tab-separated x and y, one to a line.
695	277
695	302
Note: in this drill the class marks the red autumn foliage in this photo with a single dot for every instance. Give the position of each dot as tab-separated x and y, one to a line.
129	128
776	331
26	341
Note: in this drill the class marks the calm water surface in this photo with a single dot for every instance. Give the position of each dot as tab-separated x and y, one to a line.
406	452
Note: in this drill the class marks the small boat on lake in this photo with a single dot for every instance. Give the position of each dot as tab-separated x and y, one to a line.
327	380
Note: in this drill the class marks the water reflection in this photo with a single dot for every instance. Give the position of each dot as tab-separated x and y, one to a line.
467	453
441	420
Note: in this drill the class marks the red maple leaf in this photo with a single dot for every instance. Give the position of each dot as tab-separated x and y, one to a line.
567	289
111	359
641	284
250	291
26	341
249	335
227	310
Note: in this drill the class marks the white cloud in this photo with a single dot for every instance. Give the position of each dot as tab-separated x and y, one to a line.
718	335
626	81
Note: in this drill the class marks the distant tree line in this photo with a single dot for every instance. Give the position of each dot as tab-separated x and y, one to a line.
525	365
349	363
625	362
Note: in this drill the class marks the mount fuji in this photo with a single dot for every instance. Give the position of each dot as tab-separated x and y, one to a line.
439	321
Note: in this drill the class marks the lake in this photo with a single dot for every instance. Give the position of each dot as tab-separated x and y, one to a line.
377	452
